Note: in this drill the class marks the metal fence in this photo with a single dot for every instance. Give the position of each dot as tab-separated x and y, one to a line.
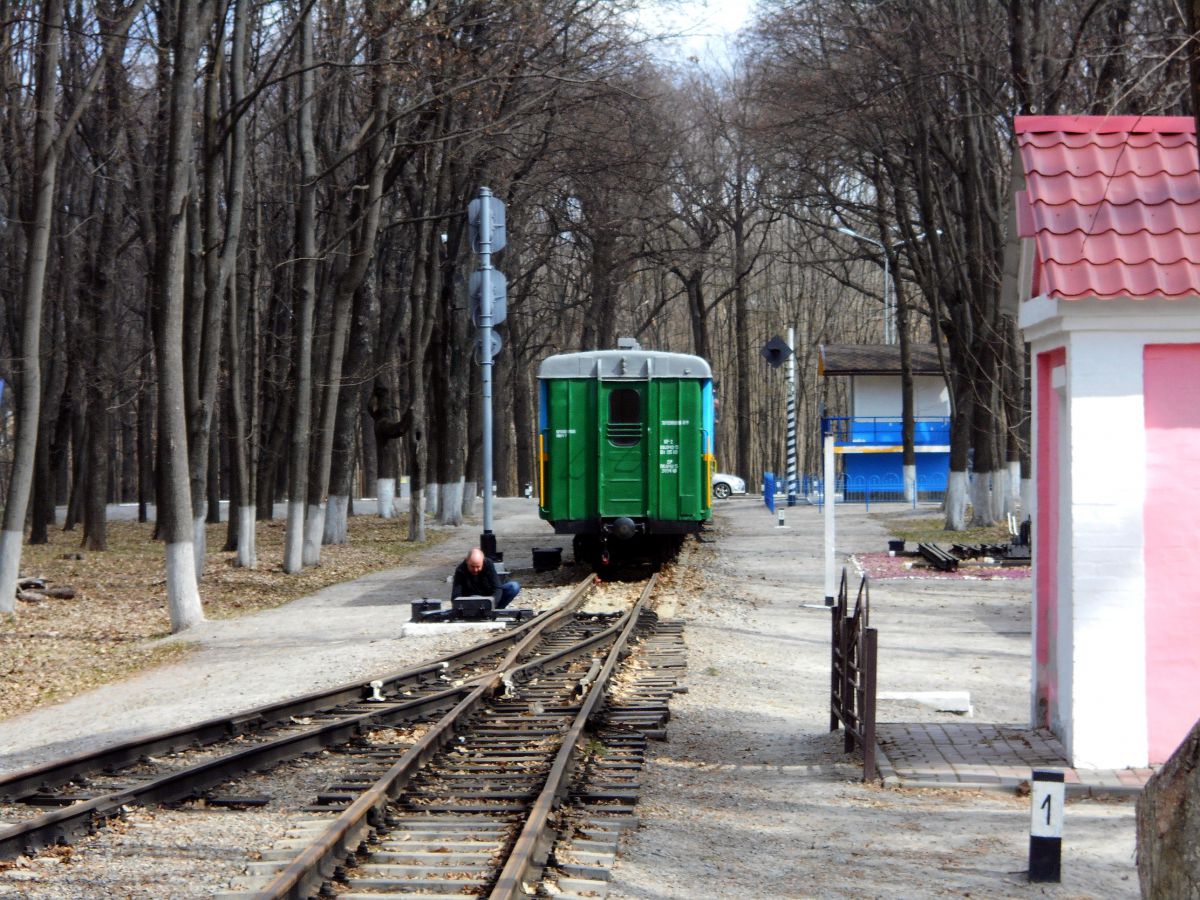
874	489
855	656
886	430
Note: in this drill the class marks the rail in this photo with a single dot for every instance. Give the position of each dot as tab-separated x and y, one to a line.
78	817
318	862
854	654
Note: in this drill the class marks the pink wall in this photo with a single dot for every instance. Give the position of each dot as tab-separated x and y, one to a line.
1172	529
1046	536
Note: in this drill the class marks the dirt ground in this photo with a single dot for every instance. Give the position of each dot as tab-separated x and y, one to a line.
751	796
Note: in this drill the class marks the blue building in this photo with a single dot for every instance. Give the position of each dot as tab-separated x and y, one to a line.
868	435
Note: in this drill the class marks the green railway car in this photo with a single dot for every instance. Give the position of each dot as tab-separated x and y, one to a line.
625	450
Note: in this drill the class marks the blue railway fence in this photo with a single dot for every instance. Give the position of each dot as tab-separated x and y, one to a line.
886	430
873	489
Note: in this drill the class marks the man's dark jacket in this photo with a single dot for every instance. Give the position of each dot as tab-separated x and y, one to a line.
485	584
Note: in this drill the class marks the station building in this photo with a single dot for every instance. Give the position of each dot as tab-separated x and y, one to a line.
870	439
1106	267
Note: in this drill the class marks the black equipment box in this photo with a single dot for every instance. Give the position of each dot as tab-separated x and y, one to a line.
420	607
473	607
546	559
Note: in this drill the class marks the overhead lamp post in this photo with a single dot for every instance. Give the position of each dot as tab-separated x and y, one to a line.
888	323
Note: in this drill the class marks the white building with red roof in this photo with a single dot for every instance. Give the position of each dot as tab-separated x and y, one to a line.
1108	210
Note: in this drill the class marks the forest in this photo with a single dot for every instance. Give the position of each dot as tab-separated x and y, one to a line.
235	257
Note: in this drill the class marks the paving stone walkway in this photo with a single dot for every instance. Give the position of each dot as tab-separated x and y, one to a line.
976	755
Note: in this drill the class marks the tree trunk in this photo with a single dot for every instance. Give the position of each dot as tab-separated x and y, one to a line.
306	292
101	320
41	208
241	500
364	233
349	416
175	502
1168	826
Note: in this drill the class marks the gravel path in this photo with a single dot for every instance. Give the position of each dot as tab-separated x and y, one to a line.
750	797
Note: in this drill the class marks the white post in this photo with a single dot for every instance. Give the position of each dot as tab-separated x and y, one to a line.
888	322
1046	795
829	485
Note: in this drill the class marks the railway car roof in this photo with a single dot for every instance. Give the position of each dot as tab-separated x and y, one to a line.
633	365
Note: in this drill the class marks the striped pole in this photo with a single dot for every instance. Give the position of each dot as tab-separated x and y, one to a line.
791	419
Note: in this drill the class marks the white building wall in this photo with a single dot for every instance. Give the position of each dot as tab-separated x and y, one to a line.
1105	574
1102	595
879	395
931	397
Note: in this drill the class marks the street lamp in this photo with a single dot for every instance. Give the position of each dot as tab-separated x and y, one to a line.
889	316
888	323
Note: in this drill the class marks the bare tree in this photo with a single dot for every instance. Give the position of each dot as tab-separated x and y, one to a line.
48	149
306	293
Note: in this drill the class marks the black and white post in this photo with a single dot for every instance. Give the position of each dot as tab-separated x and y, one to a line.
1047	794
791	422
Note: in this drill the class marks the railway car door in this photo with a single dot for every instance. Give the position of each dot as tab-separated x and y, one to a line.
622	448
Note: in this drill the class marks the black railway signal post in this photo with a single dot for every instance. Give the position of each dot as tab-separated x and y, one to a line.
777	351
489	292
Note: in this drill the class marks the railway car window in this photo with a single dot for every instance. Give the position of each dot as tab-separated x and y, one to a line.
624	417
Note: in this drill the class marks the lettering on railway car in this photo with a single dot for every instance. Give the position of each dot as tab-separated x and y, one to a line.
563	432
676	422
668	447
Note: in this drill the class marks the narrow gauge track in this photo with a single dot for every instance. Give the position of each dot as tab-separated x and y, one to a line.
471	808
87	789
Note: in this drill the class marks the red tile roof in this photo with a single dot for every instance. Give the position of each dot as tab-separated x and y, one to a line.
1113	203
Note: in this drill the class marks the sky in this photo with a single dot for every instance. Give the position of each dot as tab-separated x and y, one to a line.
704	25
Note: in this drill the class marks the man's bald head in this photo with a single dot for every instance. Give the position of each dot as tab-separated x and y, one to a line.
475	561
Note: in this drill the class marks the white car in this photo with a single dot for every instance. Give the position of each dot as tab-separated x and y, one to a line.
724	485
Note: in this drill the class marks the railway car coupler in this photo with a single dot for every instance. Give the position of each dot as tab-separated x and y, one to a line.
624	528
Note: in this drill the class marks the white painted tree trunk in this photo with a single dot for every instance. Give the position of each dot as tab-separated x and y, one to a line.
1012	500
314	530
293	547
183	598
305	288
11	543
432	492
450	503
200	537
981	500
337	514
42	200
956	501
1000	493
1026	498
385	493
247	550
910	483
470	495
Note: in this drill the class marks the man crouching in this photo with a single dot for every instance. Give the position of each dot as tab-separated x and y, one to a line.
476	576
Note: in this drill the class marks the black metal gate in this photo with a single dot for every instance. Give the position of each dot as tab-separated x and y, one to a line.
855	653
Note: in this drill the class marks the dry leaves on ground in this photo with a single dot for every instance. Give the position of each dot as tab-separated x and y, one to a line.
55	649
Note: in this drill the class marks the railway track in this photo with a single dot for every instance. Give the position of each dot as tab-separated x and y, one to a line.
475	807
85	790
457	782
